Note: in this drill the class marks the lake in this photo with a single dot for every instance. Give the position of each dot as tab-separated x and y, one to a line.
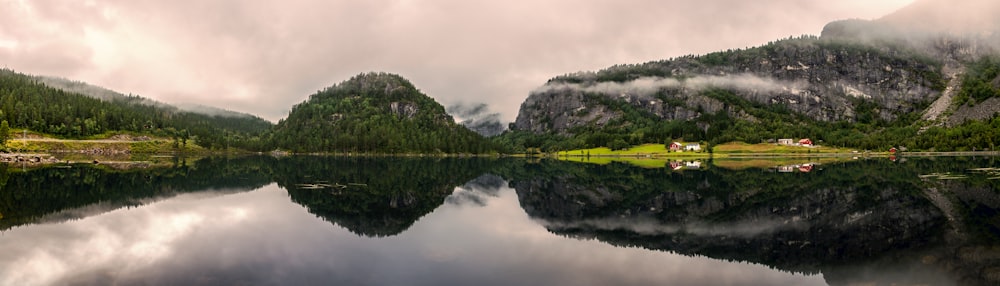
310	220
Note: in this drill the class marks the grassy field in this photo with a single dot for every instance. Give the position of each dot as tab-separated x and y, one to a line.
660	150
650	150
99	146
725	163
767	148
736	155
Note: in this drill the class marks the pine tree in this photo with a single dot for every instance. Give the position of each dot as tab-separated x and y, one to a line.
4	132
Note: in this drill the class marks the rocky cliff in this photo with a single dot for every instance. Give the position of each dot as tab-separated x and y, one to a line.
825	80
876	71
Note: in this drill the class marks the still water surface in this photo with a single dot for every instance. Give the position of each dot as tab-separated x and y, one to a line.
351	221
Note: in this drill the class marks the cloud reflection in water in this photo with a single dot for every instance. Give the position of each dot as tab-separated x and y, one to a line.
261	238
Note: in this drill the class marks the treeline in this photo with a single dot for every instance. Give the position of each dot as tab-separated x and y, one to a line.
28	104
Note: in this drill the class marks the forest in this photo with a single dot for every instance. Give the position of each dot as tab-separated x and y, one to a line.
375	113
26	103
380	113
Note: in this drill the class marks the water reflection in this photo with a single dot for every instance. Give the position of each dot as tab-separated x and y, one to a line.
420	221
260	238
374	196
855	222
66	192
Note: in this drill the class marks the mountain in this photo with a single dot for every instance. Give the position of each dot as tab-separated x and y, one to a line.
77	110
478	119
105	94
374	113
868	84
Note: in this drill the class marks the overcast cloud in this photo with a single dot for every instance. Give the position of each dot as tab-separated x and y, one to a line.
262	57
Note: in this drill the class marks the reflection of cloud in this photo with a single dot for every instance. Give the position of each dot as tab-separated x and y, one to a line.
650	226
121	241
477	191
261	238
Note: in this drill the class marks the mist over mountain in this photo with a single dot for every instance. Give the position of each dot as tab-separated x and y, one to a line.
906	78
478	118
960	30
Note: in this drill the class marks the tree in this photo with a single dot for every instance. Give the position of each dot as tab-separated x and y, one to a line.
4	132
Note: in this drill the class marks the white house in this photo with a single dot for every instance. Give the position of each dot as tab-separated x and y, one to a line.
692	147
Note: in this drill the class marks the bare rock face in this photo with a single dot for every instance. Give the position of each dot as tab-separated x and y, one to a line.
979	111
882	68
824	80
404	109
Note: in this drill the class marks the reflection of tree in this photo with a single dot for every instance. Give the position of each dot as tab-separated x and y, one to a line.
842	215
26	197
374	196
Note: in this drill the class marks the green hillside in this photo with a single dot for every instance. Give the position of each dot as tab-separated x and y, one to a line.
374	113
28	103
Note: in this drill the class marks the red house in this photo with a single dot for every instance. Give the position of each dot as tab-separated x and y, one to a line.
676	146
806	142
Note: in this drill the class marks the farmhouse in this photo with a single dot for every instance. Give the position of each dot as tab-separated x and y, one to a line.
692	147
676	146
785	141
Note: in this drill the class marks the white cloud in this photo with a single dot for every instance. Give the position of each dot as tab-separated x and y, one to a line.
264	56
646	86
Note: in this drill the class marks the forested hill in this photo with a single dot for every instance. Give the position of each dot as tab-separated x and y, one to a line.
26	102
105	94
374	113
896	86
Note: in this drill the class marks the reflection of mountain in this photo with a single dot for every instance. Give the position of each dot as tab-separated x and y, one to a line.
59	193
374	196
830	221
369	196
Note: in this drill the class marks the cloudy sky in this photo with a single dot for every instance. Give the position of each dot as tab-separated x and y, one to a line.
262	57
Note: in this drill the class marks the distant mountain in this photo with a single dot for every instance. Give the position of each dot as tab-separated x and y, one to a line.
105	94
478	119
868	84
374	113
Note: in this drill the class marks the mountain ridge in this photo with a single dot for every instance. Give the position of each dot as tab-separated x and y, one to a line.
868	84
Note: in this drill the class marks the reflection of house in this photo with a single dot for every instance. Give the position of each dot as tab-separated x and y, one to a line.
676	146
785	141
690	165
806	168
692	147
693	165
676	165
